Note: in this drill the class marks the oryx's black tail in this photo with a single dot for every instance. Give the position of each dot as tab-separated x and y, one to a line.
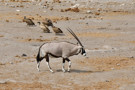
39	58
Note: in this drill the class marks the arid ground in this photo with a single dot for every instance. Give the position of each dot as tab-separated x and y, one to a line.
105	27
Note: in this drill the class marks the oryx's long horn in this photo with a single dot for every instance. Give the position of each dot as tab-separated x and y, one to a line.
74	36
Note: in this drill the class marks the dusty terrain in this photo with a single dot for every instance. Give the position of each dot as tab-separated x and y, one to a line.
106	29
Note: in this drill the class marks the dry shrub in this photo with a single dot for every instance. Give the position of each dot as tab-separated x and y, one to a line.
51	8
2	63
7	20
56	1
62	10
17	14
20	6
1	36
71	9
66	18
97	13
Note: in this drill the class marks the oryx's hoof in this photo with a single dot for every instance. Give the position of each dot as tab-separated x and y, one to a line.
69	71
64	71
38	70
51	71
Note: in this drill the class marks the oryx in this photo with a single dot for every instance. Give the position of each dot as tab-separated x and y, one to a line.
60	49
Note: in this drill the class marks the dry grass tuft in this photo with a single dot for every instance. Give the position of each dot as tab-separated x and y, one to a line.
133	42
70	9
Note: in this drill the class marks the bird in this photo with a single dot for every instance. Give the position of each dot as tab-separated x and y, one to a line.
28	21
47	22
44	27
56	29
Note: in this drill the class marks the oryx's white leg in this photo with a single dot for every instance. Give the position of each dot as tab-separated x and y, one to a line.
47	62
69	64
38	64
49	66
63	65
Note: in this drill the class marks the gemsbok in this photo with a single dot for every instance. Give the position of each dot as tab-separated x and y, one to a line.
60	49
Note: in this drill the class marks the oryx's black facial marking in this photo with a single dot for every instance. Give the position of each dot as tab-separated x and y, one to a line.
83	51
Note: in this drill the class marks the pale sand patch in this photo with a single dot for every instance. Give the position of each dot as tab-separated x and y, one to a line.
109	63
96	34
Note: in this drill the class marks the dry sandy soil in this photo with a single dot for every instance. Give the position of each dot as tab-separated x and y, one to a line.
105	27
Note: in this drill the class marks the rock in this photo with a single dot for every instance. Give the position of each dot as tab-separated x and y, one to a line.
107	81
88	12
44	11
12	6
117	28
18	10
62	10
6	4
45	6
3	82
112	68
107	47
7	20
11	62
24	55
75	6
132	57
89	16
122	4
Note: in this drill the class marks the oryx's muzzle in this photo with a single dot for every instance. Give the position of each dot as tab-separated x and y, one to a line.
83	52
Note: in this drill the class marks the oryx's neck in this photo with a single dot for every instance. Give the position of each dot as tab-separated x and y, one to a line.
76	50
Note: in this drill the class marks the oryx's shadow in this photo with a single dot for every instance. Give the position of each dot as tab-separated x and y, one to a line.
78	71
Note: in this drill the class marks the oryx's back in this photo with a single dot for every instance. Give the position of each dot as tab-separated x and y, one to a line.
56	48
